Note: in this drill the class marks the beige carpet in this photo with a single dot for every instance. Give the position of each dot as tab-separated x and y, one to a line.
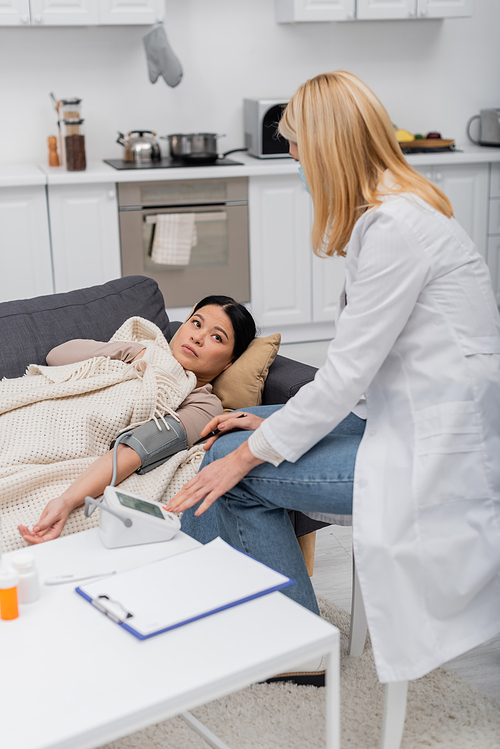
443	711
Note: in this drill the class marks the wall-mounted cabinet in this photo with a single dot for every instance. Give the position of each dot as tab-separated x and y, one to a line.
295	11
79	12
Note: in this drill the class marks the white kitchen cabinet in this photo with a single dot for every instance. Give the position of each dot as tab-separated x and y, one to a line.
293	11
280	268
493	257
130	11
444	8
466	185
85	235
79	12
289	284
14	12
391	9
63	12
24	243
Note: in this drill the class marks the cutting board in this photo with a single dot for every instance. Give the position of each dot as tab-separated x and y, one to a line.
427	145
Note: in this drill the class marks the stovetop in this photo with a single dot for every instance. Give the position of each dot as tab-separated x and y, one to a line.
167	163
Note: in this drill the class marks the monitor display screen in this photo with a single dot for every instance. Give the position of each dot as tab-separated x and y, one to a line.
138	504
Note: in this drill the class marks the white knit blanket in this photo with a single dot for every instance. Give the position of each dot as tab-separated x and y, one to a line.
55	421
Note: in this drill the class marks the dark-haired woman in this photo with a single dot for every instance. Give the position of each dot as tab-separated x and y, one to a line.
217	332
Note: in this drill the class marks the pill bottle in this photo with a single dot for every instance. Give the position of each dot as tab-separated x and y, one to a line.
28	587
8	594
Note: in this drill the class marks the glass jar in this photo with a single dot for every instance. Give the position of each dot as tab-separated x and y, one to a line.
70	109
74	145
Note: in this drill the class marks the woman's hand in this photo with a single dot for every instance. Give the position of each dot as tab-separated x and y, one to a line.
226	422
51	522
215	479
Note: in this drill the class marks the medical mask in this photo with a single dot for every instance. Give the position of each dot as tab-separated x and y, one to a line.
303	178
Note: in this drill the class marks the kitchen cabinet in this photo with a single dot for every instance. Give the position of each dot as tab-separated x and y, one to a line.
85	235
466	185
293	11
79	12
289	285
493	252
292	286
391	9
24	243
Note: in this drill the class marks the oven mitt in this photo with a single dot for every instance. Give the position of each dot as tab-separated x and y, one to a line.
160	57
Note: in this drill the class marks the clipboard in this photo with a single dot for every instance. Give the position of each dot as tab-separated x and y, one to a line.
175	591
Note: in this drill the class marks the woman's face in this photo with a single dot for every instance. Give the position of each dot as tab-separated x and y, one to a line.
293	151
204	344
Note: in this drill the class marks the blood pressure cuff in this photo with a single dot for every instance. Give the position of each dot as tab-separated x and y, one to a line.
156	443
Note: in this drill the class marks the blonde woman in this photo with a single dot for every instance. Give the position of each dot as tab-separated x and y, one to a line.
418	334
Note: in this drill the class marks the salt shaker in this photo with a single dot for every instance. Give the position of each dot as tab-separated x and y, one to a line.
8	594
28	588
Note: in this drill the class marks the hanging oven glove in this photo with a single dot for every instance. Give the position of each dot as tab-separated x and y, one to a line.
160	57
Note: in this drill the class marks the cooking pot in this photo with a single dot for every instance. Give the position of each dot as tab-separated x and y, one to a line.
140	146
194	147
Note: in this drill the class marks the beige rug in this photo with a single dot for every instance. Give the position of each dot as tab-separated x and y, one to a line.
443	711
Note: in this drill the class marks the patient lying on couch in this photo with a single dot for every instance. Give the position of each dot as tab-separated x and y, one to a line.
217	332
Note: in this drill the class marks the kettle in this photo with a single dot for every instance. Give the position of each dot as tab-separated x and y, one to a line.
489	128
140	146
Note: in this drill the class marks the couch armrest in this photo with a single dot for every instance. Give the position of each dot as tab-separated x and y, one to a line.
285	378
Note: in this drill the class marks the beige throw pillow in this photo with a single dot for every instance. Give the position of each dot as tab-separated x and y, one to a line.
242	384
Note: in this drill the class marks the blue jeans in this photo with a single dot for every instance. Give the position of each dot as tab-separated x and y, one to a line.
253	516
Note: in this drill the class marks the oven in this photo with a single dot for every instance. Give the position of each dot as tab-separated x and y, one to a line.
191	236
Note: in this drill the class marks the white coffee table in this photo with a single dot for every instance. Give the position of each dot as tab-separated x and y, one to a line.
70	678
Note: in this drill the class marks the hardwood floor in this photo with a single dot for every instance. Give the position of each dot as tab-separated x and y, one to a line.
332	580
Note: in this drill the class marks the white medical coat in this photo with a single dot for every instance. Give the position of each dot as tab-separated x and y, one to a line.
420	337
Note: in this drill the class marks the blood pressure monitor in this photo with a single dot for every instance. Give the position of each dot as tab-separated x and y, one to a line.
128	520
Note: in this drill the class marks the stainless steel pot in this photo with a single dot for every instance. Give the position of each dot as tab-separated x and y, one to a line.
194	147
140	146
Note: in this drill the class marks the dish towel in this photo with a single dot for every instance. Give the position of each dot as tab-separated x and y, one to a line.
175	236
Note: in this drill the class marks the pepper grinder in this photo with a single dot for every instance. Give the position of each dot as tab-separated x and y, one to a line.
53	155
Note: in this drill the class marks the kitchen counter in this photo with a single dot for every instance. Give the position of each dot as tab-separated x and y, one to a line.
98	171
21	175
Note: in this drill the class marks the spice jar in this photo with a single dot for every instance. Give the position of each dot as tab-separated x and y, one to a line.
74	144
70	109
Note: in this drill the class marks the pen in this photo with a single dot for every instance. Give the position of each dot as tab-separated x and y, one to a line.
214	433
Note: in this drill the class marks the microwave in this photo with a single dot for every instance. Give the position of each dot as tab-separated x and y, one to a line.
260	121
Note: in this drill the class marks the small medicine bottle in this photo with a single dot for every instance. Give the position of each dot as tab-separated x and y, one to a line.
8	594
28	587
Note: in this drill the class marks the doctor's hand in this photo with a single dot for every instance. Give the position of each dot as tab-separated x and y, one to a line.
214	480
51	523
227	422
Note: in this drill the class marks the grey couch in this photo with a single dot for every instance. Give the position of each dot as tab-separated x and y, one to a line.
29	328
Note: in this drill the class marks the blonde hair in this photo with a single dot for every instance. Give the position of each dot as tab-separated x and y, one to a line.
346	141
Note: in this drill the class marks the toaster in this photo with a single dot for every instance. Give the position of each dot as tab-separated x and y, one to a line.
260	120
